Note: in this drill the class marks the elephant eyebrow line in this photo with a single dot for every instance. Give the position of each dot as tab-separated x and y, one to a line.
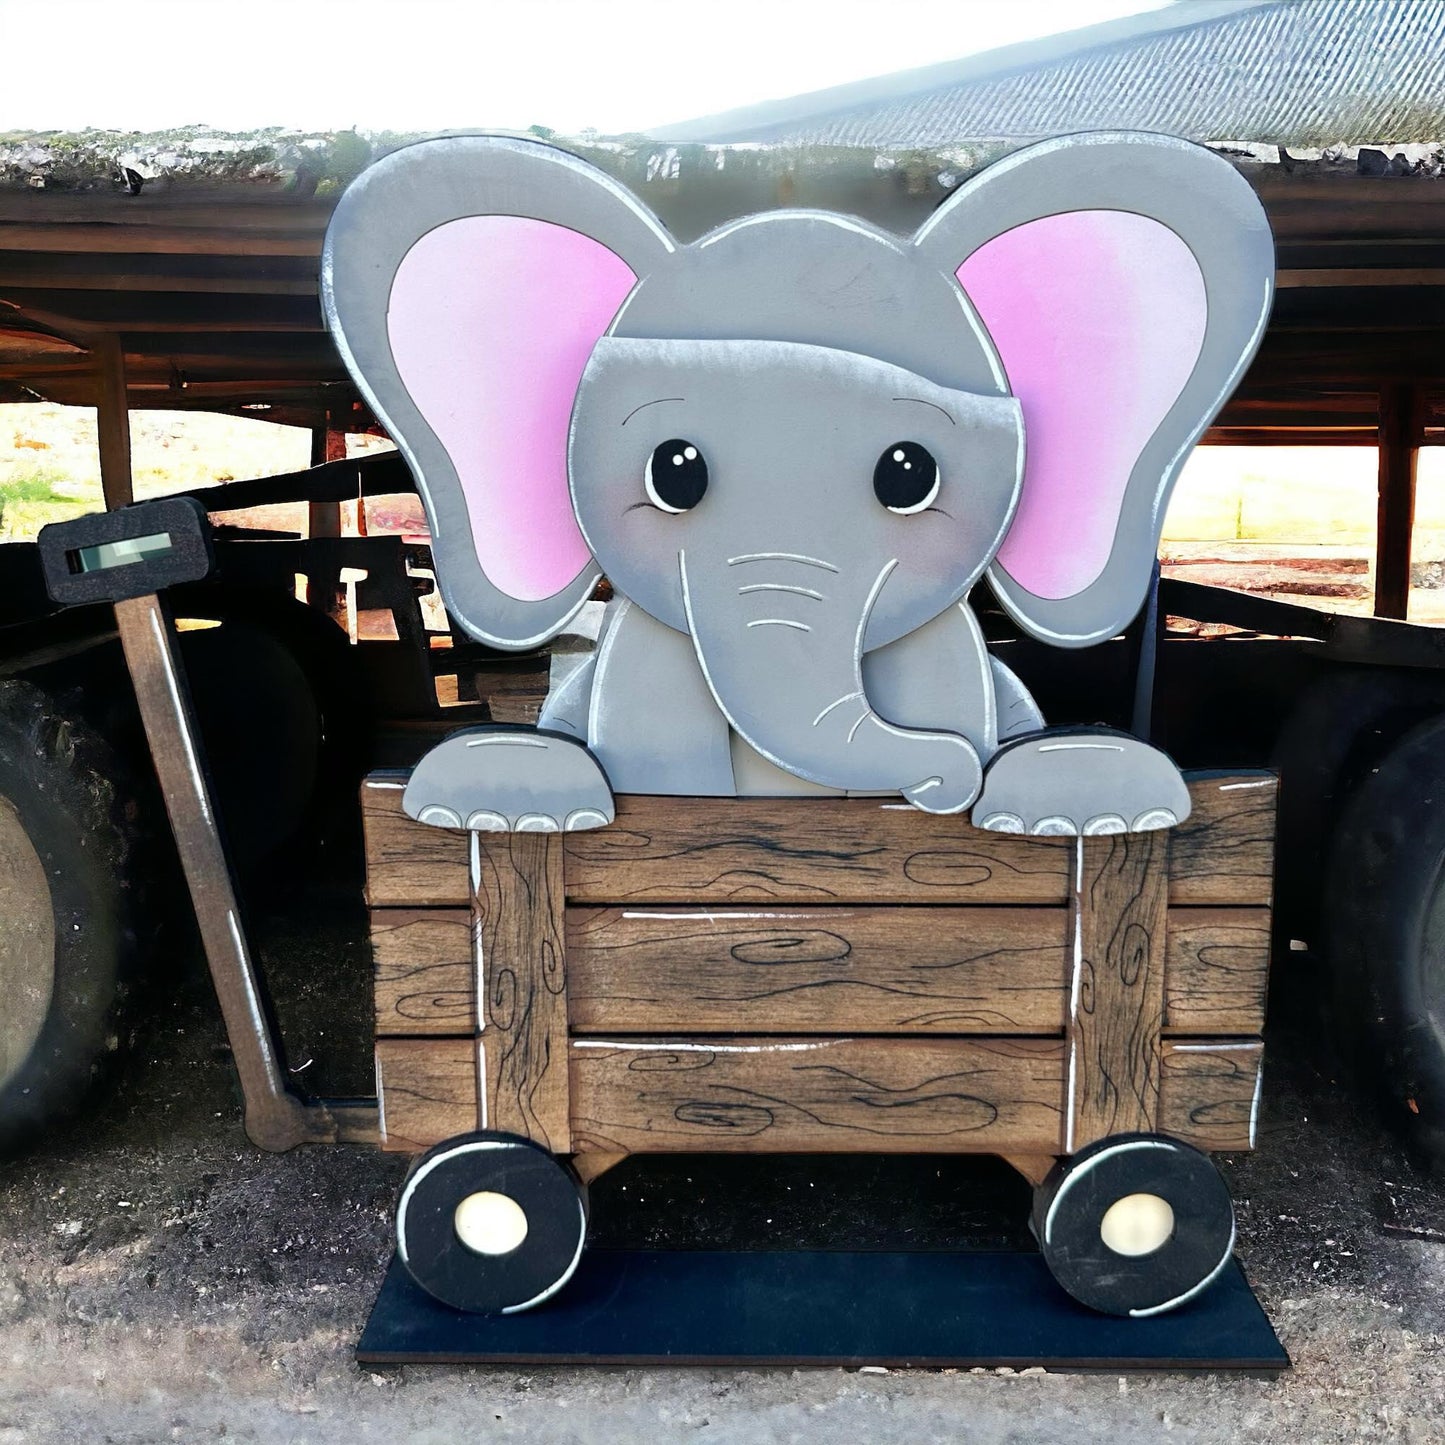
658	402
780	622
918	401
781	587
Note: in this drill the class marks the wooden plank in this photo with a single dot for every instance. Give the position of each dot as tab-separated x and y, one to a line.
1114	1035
818	970
1224	852
158	240
1401	421
1216	970
424	971
1209	1092
112	421
522	983
409	864
815	850
822	851
426	1091
819	1096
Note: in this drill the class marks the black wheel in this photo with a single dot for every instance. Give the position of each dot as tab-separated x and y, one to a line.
1385	937
1339	729
490	1223
67	937
1135	1225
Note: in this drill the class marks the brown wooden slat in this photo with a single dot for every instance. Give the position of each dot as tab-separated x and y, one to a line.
234	212
1209	1092
427	1091
832	1096
839	1096
409	864
1224	852
523	985
162	240
1217	969
824	851
1122	905
818	850
424	980
818	970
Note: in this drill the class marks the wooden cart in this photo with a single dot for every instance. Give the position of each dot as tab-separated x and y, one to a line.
820	975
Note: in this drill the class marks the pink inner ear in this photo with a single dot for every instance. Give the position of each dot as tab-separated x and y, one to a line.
1098	317
491	321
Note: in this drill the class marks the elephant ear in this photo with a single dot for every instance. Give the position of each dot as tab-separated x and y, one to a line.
466	281
1125	281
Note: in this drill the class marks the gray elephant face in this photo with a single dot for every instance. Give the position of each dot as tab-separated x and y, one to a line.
529	333
742	457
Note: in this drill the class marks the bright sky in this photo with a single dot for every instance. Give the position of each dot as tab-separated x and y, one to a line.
421	65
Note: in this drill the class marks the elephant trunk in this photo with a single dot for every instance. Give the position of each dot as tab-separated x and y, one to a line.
779	636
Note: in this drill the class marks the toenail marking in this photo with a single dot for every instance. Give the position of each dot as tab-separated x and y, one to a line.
580	818
439	816
535	823
1153	819
1105	823
1003	823
1055	827
486	821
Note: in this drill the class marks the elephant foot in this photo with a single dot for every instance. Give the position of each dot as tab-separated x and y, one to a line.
1080	782
509	780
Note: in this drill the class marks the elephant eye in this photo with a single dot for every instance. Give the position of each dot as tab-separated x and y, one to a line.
906	478
676	475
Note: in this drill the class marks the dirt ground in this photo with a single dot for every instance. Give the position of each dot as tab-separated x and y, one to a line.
162	1280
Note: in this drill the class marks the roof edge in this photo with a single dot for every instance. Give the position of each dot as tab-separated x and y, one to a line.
742	124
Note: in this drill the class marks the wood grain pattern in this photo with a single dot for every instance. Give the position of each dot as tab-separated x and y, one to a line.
835	1096
818	970
1224	852
424	971
427	1091
821	851
814	850
408	864
1217	970
1119	1014
1209	1092
523	983
924	1095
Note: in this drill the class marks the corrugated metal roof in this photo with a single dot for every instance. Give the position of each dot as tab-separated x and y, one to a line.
1287	72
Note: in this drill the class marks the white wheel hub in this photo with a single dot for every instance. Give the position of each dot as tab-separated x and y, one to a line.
490	1223
1137	1225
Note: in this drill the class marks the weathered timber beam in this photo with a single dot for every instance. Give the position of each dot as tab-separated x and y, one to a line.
113	423
1293	277
158	240
1400	427
148	211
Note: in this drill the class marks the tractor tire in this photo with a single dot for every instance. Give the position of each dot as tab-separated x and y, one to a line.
1385	934
68	909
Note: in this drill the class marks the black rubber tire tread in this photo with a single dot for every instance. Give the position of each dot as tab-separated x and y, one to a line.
1385	934
1338	730
63	780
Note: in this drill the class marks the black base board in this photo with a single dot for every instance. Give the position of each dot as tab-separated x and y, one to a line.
823	1307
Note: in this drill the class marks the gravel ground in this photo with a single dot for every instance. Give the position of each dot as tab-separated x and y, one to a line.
162	1280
